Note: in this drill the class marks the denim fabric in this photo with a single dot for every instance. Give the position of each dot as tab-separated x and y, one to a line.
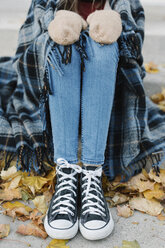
94	100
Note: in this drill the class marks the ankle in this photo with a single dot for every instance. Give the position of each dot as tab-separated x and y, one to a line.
93	165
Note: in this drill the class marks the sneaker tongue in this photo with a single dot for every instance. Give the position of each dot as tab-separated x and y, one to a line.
67	170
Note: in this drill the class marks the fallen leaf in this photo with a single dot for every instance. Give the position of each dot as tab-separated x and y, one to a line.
17	212
58	243
161	107
119	198
158	179
135	223
156	98
36	182
48	196
4	230
124	211
151	207
10	194
40	203
151	68
140	183
25	195
161	217
32	229
7	174
36	217
130	244
157	193
10	206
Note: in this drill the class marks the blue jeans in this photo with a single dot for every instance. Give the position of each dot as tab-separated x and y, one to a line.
94	99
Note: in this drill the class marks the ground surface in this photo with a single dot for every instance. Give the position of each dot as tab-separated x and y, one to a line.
149	232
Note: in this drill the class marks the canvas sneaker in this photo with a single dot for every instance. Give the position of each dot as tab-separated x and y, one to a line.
61	221
95	219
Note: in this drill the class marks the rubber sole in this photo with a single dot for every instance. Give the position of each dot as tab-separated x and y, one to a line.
60	233
97	234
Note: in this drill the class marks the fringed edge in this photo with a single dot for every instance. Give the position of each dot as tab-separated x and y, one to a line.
27	160
154	160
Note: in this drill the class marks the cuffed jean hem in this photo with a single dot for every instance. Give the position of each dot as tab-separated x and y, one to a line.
87	161
70	161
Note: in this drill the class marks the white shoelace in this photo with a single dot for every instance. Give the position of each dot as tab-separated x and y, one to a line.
93	207
65	184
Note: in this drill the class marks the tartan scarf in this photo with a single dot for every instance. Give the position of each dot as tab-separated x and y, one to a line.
137	128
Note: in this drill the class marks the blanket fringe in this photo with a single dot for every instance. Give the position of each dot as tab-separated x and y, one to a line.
29	160
154	160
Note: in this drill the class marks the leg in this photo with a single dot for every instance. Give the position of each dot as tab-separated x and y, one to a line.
97	98
98	88
61	221
64	104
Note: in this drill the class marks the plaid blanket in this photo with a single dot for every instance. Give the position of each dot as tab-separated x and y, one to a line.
137	127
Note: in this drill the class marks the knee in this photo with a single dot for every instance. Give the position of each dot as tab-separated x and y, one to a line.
106	53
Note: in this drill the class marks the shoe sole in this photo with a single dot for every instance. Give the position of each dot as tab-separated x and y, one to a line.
97	234
59	233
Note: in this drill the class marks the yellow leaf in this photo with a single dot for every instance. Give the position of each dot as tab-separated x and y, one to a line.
9	205
151	68
156	98
152	207
34	181
130	244
157	193
4	230
57	243
40	204
124	211
161	107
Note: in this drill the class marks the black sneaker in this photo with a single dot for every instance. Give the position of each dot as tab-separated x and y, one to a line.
61	221
95	220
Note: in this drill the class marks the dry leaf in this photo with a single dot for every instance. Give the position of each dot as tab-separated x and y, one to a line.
161	107
35	183
7	174
58	243
36	217
48	196
124	211
157	193
119	198
151	68
152	207
10	194
32	229
40	203
10	206
161	217
17	212
158	179
140	183
163	92
4	230
156	98
130	244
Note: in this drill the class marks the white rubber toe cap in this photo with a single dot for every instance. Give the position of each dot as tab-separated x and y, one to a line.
94	224
61	224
